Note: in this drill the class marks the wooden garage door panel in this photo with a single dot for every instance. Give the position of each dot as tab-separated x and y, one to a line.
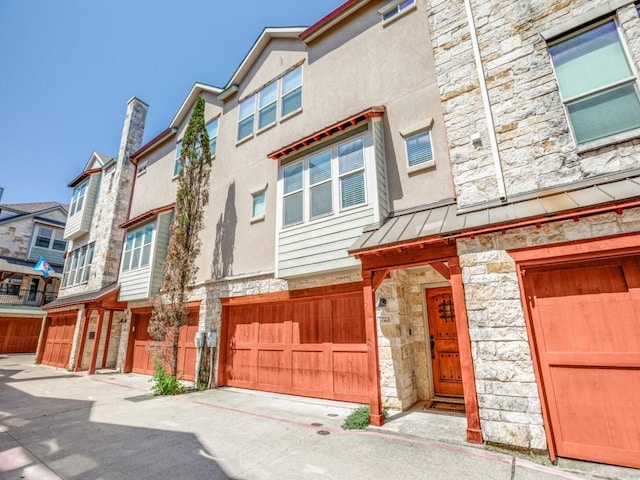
58	340
19	335
313	347
586	324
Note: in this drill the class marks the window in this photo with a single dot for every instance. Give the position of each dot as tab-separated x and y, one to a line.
142	167
245	117
268	98
419	151
77	199
597	85
313	186
177	166
137	248
78	266
392	9
212	132
292	91
50	238
257	204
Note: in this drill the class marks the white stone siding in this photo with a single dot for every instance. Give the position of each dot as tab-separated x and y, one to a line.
535	143
505	381
15	238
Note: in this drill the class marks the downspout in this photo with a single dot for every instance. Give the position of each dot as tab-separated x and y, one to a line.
485	102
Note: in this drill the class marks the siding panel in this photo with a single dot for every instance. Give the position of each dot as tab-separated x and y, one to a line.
134	284
162	245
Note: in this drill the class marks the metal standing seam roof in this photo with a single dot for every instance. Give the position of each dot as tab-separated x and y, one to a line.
81	298
444	219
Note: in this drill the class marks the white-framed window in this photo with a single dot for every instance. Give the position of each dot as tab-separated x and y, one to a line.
137	248
77	199
142	167
392	9
291	96
177	166
313	186
419	149
597	83
258	200
50	238
246	114
267	105
212	132
78	266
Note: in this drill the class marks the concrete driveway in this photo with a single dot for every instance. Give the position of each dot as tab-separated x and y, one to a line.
54	424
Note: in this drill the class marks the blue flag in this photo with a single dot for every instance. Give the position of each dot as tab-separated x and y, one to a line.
43	266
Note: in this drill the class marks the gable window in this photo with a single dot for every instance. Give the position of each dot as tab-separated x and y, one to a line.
292	91
78	266
77	199
177	166
419	149
50	238
212	131
258	204
245	117
142	167
597	84
392	9
268	97
313	186
137	248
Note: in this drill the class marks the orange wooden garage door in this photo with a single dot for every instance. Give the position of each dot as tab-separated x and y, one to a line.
19	335
58	340
143	358
313	347
586	325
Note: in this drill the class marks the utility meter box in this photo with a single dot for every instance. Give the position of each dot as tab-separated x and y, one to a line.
198	340
212	338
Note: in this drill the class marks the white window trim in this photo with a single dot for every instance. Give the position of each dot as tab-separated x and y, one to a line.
177	160
274	102
142	167
73	210
282	94
86	268
52	239
252	97
214	119
254	192
336	192
152	244
410	131
400	12
610	139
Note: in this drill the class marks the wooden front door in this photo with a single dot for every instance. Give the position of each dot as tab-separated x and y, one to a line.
445	359
585	319
142	357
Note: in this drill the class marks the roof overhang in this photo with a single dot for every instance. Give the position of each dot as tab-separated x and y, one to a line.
161	137
106	297
146	215
331	19
185	108
443	222
337	127
258	46
84	175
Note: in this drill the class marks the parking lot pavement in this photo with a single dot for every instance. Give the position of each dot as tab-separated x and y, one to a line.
55	424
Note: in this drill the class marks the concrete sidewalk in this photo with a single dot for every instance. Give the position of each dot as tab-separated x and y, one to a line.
55	424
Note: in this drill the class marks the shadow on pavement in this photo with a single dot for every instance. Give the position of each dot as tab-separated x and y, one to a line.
59	433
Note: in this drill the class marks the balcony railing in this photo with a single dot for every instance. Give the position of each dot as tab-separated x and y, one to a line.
25	297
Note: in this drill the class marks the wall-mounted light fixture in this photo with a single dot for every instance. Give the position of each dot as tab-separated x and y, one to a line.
382	302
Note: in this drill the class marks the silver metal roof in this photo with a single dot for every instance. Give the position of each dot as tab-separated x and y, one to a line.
444	218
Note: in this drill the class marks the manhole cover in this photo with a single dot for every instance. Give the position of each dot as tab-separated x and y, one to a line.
322	432
316	424
332	414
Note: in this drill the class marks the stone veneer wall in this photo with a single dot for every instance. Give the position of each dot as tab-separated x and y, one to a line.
536	146
507	391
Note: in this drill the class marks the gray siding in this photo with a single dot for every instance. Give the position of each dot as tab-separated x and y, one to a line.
381	167
162	244
80	222
322	246
134	284
54	257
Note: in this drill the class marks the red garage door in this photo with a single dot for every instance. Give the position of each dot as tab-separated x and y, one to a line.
586	332
313	347
142	361
58	340
19	335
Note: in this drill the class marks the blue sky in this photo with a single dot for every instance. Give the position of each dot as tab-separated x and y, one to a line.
68	68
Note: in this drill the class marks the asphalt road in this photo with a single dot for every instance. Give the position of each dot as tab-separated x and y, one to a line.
54	424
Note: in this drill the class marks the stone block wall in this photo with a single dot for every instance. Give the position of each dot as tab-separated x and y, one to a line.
505	381
534	140
15	238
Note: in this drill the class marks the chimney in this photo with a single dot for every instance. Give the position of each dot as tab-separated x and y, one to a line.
133	129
